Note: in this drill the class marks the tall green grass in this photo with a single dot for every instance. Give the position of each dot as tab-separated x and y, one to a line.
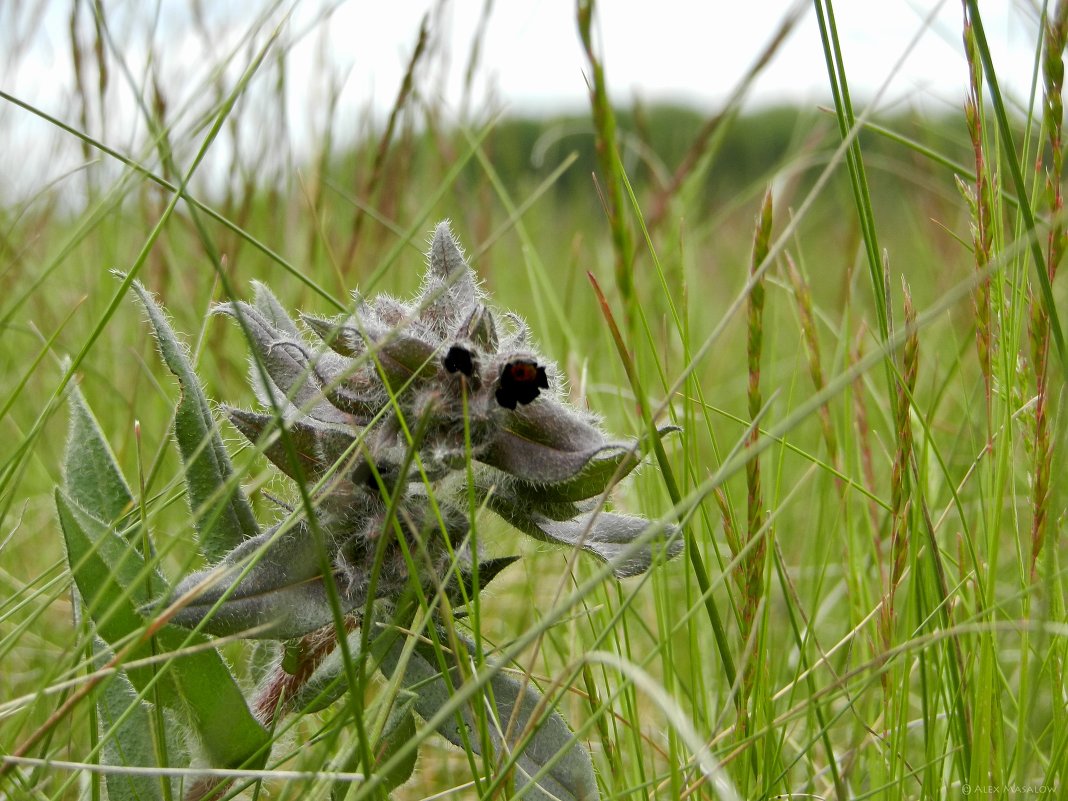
869	382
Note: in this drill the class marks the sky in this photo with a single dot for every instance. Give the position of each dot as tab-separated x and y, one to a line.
530	59
698	51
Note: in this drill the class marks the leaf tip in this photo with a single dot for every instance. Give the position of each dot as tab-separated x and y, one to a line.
445	256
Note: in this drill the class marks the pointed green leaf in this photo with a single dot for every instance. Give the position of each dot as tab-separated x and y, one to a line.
606	535
404	358
126	726
223	519
213	701
546	442
400	355
445	257
360	404
267	305
90	471
110	575
280	596
487	571
448	279
112	579
606	465
262	333
129	745
481	329
342	338
318	445
261	336
296	375
399	729
611	537
545	738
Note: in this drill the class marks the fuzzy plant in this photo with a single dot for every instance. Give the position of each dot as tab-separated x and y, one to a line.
397	423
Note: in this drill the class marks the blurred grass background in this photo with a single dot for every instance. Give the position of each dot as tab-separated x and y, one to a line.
910	694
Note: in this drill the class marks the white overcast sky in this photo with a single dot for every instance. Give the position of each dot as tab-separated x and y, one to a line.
692	50
531	59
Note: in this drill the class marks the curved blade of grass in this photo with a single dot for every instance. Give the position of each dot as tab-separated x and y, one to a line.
224	522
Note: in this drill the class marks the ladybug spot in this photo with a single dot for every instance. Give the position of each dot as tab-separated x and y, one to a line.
521	381
459	359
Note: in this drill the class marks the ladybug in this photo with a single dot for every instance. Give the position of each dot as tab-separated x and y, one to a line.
521	381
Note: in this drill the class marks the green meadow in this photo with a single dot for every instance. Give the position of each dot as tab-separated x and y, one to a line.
854	319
